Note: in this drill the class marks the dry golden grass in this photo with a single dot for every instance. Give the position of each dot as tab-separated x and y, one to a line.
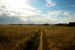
16	38
27	37
59	38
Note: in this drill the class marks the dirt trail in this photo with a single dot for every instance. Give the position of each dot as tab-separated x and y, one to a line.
41	41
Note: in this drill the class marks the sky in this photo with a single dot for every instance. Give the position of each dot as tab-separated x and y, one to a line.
37	11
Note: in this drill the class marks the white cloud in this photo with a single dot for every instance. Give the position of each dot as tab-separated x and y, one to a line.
17	7
50	3
54	13
61	16
23	11
70	15
50	17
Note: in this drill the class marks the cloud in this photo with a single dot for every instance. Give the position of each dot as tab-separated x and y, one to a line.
13	11
70	15
17	7
50	3
19	11
61	16
54	13
52	17
10	20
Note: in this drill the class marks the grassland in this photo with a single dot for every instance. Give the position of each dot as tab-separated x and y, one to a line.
30	37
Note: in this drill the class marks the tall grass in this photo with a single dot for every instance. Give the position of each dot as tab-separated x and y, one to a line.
27	37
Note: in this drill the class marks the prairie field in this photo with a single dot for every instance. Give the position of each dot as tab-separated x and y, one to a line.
37	37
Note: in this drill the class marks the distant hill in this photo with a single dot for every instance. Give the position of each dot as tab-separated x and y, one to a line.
72	24
61	24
